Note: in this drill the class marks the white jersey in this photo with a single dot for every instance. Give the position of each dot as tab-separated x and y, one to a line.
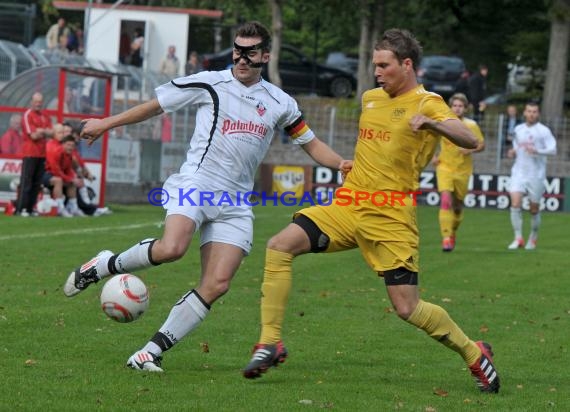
539	137
234	126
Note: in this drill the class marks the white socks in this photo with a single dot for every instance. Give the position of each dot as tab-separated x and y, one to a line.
131	260
516	221
534	226
184	317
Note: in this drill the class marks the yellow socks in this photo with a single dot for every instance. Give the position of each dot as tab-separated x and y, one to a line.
446	220
457	219
437	323
274	294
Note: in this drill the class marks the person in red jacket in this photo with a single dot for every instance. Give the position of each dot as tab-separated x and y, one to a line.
59	175
11	140
36	128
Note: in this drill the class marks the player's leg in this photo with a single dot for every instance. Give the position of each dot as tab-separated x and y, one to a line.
445	187
402	288
281	249
461	189
535	191
446	220
220	262
176	238
393	253
316	229
516	219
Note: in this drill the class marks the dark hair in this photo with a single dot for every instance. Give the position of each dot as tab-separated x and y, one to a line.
255	29
68	138
533	103
403	44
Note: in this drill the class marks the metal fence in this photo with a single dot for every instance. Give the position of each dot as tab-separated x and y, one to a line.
334	123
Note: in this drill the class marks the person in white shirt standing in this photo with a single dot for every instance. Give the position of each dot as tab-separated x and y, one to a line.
532	142
237	115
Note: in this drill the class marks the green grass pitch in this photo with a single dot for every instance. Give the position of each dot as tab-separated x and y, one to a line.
348	350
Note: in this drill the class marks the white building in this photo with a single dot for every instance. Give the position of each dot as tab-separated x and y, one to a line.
107	24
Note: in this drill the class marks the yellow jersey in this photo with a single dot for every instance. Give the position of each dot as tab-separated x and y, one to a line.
388	154
451	159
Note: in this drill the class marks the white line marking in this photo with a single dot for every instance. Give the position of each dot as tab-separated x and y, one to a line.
78	231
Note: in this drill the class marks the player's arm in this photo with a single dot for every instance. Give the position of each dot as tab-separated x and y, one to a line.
325	155
452	129
480	142
549	148
94	128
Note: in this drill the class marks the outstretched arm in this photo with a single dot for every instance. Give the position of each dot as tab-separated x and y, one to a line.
94	128
325	155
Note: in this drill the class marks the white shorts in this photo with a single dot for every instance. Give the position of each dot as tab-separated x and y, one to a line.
534	188
217	220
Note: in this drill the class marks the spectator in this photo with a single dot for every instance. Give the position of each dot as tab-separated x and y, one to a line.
36	128
125	48
462	85
11	140
170	65
75	40
55	32
193	64
83	173
59	175
511	121
478	91
137	47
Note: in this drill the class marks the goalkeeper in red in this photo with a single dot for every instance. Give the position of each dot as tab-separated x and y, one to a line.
454	166
400	127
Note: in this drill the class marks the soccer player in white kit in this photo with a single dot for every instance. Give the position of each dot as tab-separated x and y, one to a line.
237	115
532	142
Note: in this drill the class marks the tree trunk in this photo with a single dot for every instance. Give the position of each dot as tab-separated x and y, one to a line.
370	30
277	28
553	95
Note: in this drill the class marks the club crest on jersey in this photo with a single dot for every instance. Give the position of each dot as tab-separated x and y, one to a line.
261	109
397	115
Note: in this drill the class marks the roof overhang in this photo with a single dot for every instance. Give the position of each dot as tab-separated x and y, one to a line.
83	5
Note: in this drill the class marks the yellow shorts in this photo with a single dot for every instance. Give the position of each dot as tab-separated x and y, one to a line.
387	235
450	182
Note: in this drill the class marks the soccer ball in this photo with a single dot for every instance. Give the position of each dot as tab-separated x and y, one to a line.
124	298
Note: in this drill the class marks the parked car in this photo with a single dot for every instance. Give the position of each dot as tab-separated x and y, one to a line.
440	74
340	60
296	71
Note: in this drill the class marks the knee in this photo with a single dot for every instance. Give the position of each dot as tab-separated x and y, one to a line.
276	243
220	287
169	251
404	309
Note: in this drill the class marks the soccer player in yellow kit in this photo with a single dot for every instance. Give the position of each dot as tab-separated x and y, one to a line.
399	130
454	167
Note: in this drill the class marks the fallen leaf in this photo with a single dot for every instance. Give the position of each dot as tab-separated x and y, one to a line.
519	386
306	402
446	300
440	392
205	347
30	362
484	329
430	409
